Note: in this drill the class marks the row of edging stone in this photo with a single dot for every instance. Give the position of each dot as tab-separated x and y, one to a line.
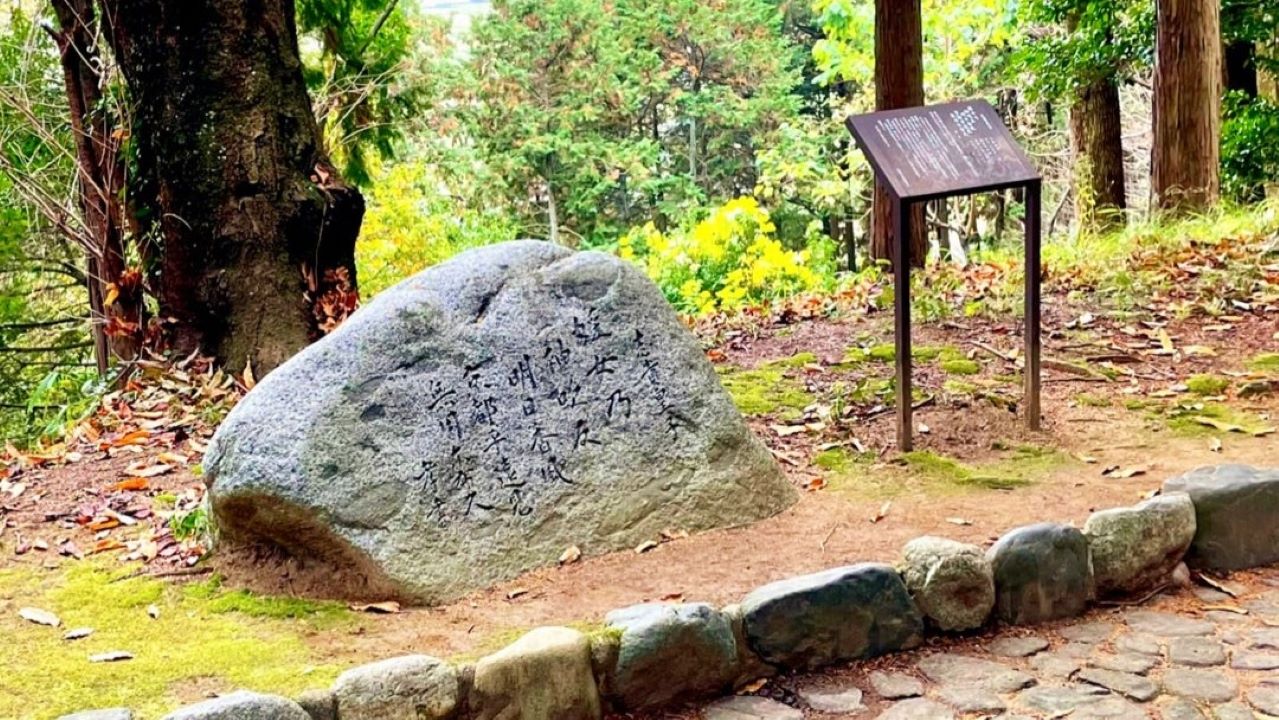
1223	517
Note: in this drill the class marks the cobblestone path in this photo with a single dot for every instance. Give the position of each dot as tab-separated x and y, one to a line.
1189	654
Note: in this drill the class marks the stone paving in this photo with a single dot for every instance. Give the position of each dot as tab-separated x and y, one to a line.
1192	654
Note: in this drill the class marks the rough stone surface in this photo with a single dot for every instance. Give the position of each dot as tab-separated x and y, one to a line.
1235	511
103	714
1140	644
412	687
473	421
971	699
1017	646
894	686
319	704
1233	711
1196	651
1202	685
1167	625
853	612
1136	687
1265	698
1251	660
961	670
671	652
1042	572
1125	662
952	582
749	665
1056	701
1088	632
845	702
545	675
242	705
1176	708
746	707
1137	548
1054	666
917	709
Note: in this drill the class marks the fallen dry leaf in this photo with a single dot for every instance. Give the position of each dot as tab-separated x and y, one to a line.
517	592
78	633
571	555
958	521
1214	444
386	607
39	617
883	512
111	656
154	612
646	546
753	686
1128	472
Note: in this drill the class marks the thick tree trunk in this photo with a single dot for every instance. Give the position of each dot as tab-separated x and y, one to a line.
899	82
1096	137
115	293
1187	105
258	230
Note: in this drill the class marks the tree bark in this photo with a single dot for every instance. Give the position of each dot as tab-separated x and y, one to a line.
257	228
899	82
1096	136
1187	105
115	293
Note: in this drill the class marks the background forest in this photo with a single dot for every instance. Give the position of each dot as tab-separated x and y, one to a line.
702	140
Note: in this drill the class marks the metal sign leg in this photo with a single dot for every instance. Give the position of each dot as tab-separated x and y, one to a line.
1033	198
901	317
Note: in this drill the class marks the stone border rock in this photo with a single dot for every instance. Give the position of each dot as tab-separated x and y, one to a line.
650	656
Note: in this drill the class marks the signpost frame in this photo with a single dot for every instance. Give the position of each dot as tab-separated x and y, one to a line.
1018	173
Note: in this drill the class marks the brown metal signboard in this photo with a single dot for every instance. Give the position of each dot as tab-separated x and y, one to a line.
939	151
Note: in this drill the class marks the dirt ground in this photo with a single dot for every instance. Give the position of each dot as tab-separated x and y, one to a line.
865	512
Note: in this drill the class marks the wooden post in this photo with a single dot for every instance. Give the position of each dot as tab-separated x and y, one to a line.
901	317
1033	200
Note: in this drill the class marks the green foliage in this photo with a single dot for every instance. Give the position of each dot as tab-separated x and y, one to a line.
1069	43
359	72
411	224
729	260
1249	144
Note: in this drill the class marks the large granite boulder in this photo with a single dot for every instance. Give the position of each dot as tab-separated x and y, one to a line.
1042	572
1235	511
848	613
1136	548
478	418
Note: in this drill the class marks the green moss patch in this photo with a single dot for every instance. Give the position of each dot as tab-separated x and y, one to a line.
766	391
961	366
1265	362
797	360
1193	419
202	637
1207	384
1024	466
1090	400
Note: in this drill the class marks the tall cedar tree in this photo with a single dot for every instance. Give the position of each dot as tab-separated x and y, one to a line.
256	228
1096	138
1187	107
899	82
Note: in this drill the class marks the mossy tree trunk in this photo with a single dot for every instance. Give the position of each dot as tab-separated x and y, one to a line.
899	83
1096	134
256	228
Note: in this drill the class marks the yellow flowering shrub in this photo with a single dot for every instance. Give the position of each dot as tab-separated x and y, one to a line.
412	223
726	261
